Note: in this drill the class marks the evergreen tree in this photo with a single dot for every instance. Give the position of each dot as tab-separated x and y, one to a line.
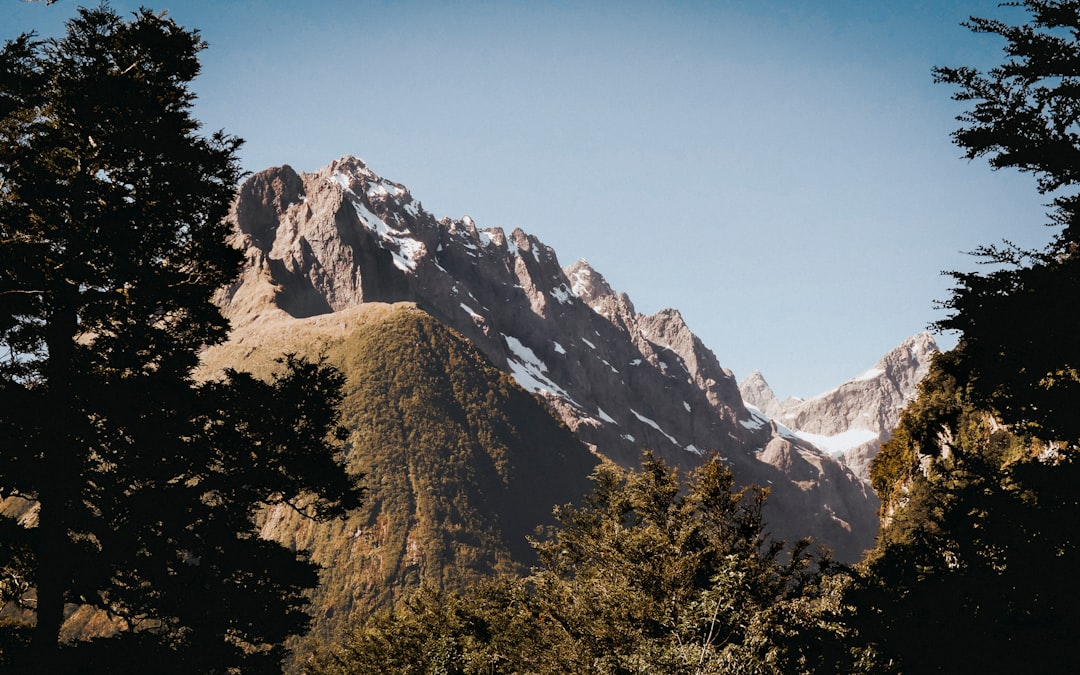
975	566
1018	328
147	483
650	575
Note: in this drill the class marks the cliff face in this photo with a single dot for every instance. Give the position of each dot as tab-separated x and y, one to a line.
324	242
851	421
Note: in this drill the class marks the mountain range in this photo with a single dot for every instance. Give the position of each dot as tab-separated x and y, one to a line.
851	421
430	319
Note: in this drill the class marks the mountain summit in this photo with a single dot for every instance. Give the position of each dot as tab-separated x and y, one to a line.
851	421
319	243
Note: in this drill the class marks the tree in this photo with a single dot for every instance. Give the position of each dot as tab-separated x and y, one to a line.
975	567
147	483
654	574
1018	331
651	575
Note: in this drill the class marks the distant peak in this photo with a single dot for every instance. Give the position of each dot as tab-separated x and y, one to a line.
919	347
586	283
351	164
670	314
356	177
757	392
922	341
756	376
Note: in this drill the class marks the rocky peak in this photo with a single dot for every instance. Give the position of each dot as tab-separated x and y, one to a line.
323	242
757	392
264	197
851	421
586	283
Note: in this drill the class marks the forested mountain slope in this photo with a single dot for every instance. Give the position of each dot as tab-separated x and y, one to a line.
460	463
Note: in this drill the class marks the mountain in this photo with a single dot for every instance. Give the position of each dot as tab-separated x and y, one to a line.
321	243
460	464
851	421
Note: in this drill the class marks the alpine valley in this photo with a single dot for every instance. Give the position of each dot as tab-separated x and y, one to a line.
433	321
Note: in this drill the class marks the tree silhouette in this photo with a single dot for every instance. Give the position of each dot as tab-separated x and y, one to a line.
147	483
975	566
1018	328
975	569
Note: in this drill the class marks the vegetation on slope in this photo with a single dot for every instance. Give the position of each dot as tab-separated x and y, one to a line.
650	575
460	464
976	561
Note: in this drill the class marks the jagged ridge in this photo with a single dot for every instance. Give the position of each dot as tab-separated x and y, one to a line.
851	421
622	381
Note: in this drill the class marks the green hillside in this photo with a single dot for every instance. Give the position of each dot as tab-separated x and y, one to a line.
460	464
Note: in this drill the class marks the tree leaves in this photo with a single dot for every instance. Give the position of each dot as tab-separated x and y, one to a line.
1017	331
148	485
651	574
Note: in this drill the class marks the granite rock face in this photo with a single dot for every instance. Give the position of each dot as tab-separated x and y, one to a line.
851	421
322	242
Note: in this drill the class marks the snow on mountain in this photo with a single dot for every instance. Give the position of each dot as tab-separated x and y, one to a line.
317	243
851	421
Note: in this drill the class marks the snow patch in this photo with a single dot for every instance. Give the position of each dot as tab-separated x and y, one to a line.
384	189
562	294
838	444
604	416
408	249
528	370
472	313
757	419
558	348
591	345
654	425
342	180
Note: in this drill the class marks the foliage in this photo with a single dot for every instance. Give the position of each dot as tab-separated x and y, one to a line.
650	575
147	485
461	463
1018	334
976	562
974	569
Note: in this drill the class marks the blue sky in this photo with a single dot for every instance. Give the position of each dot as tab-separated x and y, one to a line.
780	171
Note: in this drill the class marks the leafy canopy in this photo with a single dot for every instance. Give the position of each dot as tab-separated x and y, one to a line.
651	575
143	483
975	564
1017	323
976	560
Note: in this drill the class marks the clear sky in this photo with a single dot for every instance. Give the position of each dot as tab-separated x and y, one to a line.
781	171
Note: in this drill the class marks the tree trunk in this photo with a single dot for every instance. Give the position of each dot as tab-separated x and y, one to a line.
57	482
